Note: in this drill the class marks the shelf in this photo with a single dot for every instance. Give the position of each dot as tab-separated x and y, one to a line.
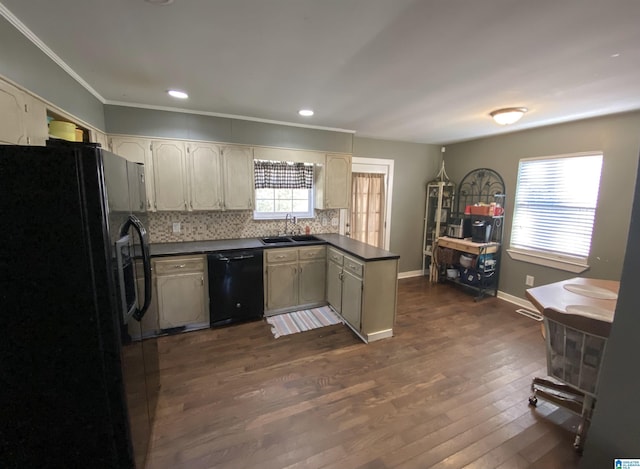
466	245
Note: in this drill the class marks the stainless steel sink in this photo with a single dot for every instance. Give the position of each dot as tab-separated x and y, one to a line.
276	240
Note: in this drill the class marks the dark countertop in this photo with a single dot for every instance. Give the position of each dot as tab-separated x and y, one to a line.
356	248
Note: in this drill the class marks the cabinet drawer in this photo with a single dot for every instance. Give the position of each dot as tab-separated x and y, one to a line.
312	252
335	256
179	265
353	266
274	256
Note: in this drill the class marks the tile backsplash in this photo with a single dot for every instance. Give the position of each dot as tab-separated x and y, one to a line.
202	226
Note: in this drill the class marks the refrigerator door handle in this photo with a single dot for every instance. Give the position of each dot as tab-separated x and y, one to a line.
137	225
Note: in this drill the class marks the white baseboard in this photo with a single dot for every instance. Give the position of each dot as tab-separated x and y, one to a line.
410	273
379	335
516	300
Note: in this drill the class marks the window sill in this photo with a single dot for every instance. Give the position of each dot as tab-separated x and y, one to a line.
282	216
576	266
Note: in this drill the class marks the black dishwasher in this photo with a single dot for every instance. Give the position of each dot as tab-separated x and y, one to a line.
235	286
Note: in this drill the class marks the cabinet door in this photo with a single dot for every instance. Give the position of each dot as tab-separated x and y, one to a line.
12	115
205	176
334	285
238	178
99	137
282	286
137	150
351	299
137	189
181	300
312	280
36	121
337	192
169	175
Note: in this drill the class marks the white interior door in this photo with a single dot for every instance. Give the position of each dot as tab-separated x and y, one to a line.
380	166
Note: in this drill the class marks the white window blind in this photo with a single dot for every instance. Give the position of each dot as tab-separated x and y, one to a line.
555	204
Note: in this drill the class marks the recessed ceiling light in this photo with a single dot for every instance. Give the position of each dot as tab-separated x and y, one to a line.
159	2
178	94
305	112
615	55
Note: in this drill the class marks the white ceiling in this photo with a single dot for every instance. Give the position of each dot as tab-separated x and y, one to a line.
425	71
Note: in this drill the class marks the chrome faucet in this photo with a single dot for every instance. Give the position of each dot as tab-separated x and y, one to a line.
286	222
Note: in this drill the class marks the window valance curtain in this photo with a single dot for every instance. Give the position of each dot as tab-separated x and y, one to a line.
282	175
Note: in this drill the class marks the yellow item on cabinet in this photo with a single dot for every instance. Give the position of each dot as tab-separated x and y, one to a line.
63	130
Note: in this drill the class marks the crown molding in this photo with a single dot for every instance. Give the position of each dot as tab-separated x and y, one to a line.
20	26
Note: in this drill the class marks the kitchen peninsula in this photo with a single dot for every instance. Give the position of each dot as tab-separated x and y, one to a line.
361	280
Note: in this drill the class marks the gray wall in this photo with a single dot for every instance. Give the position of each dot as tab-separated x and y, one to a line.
168	124
25	64
617	136
615	432
414	165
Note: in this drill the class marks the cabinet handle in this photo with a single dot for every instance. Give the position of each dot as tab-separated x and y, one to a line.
191	203
180	266
280	256
185	204
202	280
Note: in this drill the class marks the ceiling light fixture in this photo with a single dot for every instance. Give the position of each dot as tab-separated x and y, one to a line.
178	94
509	115
159	2
305	112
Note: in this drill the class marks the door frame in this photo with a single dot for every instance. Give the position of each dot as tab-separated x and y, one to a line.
380	166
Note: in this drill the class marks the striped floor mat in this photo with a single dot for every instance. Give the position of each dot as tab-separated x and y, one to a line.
305	320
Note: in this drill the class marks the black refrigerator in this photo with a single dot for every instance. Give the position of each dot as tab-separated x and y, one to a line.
78	384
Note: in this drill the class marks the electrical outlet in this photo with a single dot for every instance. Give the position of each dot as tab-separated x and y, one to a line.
528	281
335	222
176	227
325	222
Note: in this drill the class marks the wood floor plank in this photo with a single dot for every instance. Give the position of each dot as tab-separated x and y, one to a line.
450	389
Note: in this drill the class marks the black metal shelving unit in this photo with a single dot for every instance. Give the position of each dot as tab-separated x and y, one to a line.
480	186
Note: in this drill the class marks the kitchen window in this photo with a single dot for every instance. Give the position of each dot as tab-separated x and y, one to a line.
283	188
555	205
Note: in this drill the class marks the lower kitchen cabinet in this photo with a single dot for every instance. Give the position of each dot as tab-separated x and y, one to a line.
294	278
281	279
181	286
352	299
363	293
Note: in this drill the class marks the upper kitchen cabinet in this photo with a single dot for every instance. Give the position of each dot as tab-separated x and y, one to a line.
169	175
238	177
333	182
99	137
23	118
137	150
204	167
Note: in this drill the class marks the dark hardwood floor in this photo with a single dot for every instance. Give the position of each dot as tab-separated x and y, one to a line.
449	390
